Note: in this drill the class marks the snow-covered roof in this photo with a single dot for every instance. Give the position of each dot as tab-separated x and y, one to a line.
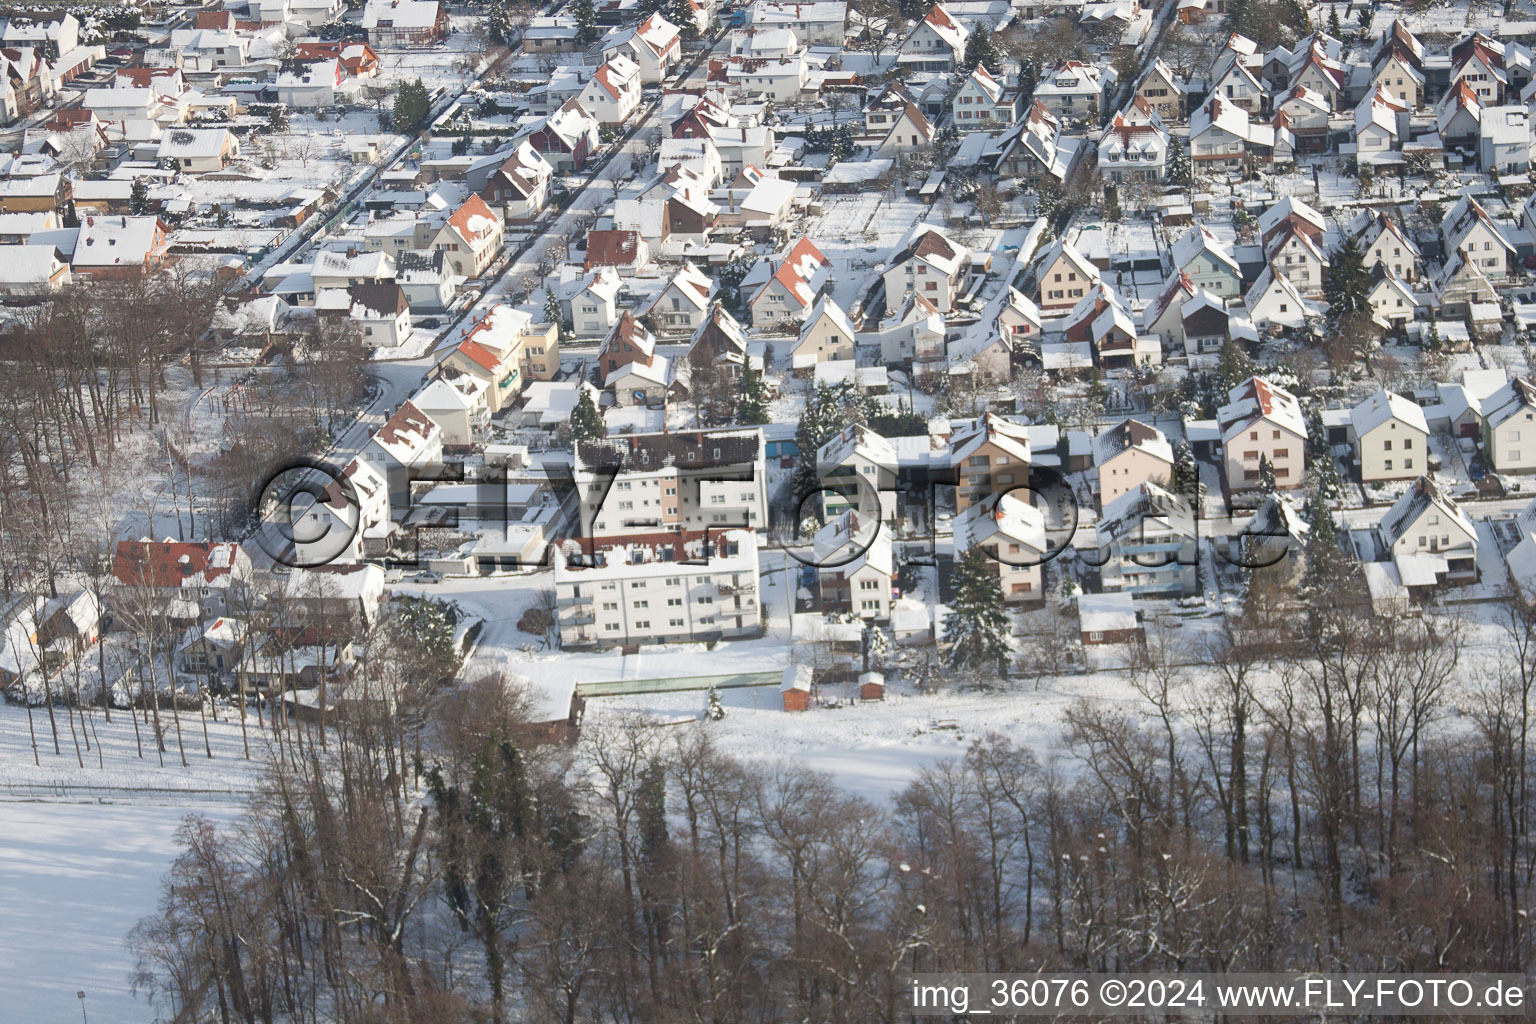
1385	405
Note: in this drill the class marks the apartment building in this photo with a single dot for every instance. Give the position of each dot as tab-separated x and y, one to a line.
643	594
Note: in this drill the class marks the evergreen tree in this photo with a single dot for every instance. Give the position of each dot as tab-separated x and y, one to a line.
584	13
1186	472
1180	173
1235	367
1267	485
138	197
1346	283
552	312
586	421
819	424
1334	28
976	629
413	107
1111	204
752	406
713	709
982	49
1432	340
1326	562
680	13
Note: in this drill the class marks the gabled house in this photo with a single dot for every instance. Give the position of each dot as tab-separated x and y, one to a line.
408	446
1478	61
1291	216
1294	253
1011	532
1509	427
1262	423
110	248
983	102
622	250
655	46
681	306
857	566
826	334
591	302
1384	242
377	311
1305	115
1458	118
1222	137
793	285
1398	66
929	262
1429	538
1162	90
1032	150
1504	140
1380	126
1128	455
1064	275
470	238
857	469
1469	230
1075	88
1390	436
520	186
460	404
1273	299
1207	261
568	138
612	94
1461	284
405	23
1019	320
628	342
936	43
1313	68
1134	145
1234	76
992	456
152	577
719	340
1391	301
427	279
197	150
895	123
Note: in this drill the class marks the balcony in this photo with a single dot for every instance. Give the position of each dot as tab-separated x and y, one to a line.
572	602
579	619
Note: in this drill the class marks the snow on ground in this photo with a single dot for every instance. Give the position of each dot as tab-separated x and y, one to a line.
74	879
119	767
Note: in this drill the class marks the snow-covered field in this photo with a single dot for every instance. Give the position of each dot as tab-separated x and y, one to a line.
74	879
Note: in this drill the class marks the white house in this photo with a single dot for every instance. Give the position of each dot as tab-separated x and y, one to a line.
928	262
1075	89
1509	427
680	307
1134	146
655	45
1469	230
936	43
1011	532
827	333
1391	437
1262	423
1128	455
591	302
1429	538
613	92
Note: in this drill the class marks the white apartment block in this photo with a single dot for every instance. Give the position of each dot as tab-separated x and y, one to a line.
711	596
637	485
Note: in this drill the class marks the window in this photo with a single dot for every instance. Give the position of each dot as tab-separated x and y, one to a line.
611	626
643	624
675	623
641	604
